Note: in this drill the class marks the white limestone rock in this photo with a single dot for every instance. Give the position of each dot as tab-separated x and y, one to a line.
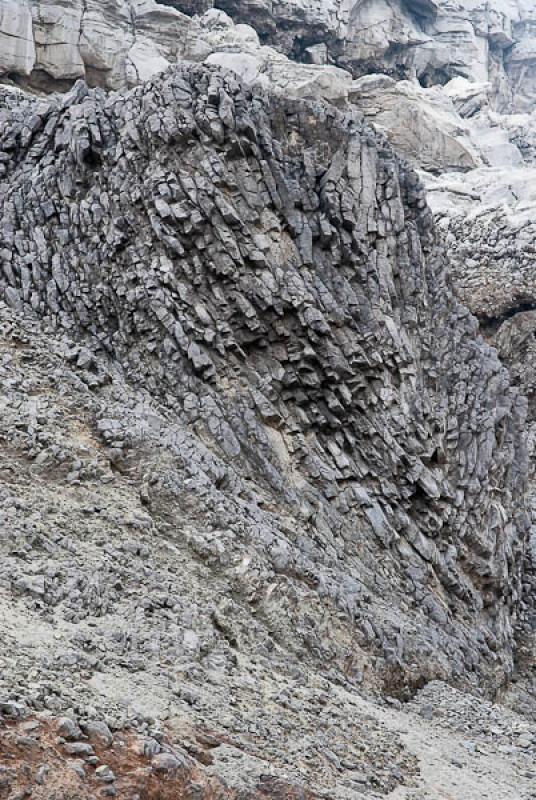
105	40
17	49
237	47
144	61
110	43
56	29
423	124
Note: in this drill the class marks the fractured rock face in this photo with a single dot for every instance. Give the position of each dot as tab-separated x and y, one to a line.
17	48
269	270
110	43
115	43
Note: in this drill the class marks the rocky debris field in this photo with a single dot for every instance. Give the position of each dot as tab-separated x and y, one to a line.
122	671
115	620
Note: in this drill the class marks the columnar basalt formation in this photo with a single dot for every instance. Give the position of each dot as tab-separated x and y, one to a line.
269	269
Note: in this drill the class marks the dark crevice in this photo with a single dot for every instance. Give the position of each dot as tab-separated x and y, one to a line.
424	10
491	324
440	77
188	7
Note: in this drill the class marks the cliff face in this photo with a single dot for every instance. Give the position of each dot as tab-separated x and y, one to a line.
271	270
108	43
255	431
258	464
114	42
430	40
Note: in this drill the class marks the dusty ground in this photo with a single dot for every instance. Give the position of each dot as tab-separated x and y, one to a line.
468	750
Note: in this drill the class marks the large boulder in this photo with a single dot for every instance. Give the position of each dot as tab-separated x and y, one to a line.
422	124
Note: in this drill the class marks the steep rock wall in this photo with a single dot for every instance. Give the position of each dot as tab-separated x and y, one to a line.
270	270
113	43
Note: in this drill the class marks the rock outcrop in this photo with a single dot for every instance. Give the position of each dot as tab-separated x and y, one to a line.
115	42
108	42
270	270
258	464
249	431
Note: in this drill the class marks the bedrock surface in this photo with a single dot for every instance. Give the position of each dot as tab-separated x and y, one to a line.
267	271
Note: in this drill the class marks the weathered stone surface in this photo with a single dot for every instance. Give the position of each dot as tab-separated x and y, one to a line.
115	42
270	269
108	42
422	124
250	437
17	48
